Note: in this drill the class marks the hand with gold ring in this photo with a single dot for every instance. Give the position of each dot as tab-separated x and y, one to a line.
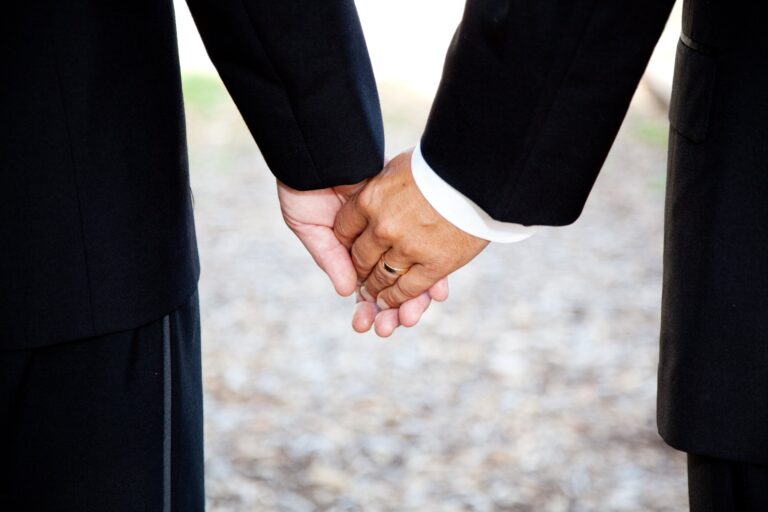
385	322
389	225
310	215
393	270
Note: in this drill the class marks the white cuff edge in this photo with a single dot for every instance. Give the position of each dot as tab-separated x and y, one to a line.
461	211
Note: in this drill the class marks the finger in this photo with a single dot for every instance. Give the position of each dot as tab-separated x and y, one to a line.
380	278
439	290
411	311
366	252
364	315
349	222
331	257
415	282
386	322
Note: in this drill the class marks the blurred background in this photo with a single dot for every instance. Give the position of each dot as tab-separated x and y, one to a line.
531	389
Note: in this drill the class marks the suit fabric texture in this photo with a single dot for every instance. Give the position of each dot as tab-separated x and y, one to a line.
112	423
96	224
717	485
100	385
532	96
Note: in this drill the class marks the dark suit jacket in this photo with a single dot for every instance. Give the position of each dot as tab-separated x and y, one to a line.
96	228
531	98
95	220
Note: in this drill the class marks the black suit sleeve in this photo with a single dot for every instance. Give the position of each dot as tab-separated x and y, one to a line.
532	96
299	73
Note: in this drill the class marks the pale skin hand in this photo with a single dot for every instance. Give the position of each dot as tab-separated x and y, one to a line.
389	218
310	215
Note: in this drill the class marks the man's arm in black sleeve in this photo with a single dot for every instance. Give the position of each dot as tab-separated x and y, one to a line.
532	96
300	75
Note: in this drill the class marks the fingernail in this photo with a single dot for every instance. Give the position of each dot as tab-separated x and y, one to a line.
382	304
364	293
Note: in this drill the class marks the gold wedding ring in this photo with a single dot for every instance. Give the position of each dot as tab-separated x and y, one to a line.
393	270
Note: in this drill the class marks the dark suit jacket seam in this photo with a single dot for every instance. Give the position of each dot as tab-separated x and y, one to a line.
73	161
511	188
287	95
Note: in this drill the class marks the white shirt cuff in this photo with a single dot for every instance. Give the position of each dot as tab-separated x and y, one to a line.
461	211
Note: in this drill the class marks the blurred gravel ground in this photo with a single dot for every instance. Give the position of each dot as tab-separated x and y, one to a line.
531	389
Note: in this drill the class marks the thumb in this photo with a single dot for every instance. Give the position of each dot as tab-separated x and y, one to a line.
349	223
332	257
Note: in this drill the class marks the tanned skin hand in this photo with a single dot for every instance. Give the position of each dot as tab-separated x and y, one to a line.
388	219
310	215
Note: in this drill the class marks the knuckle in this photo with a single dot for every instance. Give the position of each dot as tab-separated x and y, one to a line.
379	278
364	200
408	288
384	231
359	269
340	230
409	248
357	259
396	298
388	298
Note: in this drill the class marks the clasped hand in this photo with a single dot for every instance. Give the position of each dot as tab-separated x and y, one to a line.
351	231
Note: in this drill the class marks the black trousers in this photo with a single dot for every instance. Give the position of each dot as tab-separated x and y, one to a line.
112	423
717	485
